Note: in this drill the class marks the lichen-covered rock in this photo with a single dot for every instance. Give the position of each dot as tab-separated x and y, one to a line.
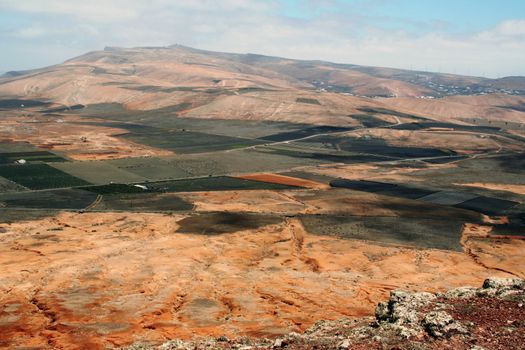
407	320
402	307
382	312
345	344
176	345
461	293
504	283
441	324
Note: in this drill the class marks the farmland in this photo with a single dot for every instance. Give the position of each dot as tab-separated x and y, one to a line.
43	156
39	176
220	196
226	155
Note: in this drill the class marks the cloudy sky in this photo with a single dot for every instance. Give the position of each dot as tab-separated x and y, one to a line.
474	37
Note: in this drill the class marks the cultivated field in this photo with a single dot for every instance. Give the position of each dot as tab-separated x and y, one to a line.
142	201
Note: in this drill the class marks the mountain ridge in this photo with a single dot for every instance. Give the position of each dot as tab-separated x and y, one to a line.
251	86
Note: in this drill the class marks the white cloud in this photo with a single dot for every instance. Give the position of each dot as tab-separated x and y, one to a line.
95	10
512	27
30	32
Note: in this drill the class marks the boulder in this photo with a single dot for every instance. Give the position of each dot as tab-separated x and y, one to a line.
441	324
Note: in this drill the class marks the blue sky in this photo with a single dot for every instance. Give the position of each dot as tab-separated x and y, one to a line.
474	37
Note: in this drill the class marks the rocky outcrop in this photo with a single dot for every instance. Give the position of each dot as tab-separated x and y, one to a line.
490	317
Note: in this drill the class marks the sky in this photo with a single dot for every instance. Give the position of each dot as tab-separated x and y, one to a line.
470	37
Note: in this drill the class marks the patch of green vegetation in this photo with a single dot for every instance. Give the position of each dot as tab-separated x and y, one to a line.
39	176
98	172
326	157
9	215
153	88
63	109
38	156
188	141
389	112
16	103
199	165
143	202
311	101
218	183
246	90
66	199
115	188
12	147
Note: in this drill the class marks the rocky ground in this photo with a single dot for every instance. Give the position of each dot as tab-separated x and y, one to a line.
99	280
490	317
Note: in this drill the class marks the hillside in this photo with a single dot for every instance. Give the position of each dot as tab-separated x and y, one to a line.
204	84
157	194
490	317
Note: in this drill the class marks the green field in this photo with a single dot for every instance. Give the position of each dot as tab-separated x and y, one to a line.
188	141
39	176
219	163
11	147
219	183
68	199
145	202
38	156
98	172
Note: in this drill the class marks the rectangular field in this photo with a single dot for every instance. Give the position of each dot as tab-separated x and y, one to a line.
36	156
98	172
145	202
323	156
197	165
67	199
487	205
377	146
448	197
39	176
12	147
219	183
189	141
385	189
299	134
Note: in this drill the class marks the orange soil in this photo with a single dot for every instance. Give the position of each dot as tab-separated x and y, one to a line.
247	201
368	171
93	280
77	141
284	180
490	251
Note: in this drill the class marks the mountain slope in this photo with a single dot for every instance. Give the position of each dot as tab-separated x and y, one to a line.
205	84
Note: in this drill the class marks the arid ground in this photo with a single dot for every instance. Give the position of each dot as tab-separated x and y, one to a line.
155	194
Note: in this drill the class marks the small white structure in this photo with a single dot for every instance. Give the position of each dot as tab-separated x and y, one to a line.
21	161
141	186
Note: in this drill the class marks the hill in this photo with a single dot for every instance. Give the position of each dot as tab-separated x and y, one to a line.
204	84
